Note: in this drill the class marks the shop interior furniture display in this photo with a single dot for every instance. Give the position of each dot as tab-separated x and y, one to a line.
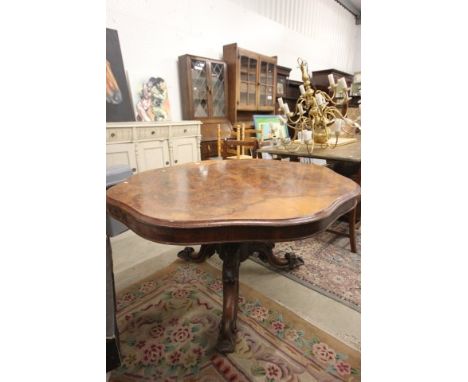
149	145
274	207
251	83
204	97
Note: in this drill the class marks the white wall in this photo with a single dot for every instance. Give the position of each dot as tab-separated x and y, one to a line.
153	33
330	28
357	50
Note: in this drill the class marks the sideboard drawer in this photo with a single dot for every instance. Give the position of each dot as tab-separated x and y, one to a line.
153	132
119	135
185	130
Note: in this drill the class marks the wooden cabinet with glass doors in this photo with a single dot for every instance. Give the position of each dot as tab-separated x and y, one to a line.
252	83
203	88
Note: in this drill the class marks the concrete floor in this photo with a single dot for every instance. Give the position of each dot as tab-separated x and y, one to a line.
136	258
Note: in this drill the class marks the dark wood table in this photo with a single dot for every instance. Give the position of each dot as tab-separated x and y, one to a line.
346	153
345	160
233	208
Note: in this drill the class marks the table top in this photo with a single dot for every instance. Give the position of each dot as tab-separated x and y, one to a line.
231	201
349	153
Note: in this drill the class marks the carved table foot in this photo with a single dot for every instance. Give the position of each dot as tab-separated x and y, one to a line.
188	253
232	255
265	253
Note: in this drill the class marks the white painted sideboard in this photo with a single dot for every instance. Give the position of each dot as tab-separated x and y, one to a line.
149	145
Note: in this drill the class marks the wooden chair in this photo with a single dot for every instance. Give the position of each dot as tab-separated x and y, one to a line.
240	146
243	143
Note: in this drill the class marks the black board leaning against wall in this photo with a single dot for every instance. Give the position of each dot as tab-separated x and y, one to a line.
118	103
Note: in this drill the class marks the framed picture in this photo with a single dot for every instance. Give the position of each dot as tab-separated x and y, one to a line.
118	103
271	126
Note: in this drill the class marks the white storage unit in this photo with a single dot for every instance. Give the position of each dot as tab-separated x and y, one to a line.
149	145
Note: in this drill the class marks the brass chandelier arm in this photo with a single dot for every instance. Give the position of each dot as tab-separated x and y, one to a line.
334	112
327	97
317	111
330	100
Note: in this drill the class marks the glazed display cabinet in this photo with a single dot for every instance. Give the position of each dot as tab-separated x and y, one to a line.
204	92
203	88
252	82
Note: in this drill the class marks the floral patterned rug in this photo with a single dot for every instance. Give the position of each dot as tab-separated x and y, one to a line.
328	268
168	328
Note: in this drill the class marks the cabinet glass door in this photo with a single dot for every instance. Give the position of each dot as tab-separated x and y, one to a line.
267	71
248	82
217	90
199	88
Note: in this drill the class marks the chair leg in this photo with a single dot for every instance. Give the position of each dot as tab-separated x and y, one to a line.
352	230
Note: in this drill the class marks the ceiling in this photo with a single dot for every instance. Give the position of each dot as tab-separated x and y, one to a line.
353	6
357	4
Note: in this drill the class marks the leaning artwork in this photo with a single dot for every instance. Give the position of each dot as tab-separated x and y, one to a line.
153	102
270	127
118	104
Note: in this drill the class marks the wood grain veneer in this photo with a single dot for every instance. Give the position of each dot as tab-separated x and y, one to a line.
232	201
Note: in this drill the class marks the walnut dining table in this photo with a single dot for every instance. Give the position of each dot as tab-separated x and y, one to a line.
235	209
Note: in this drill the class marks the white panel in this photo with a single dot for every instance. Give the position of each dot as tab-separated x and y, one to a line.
121	153
152	155
118	158
184	150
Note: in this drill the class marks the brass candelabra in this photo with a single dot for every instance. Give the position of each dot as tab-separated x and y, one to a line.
316	111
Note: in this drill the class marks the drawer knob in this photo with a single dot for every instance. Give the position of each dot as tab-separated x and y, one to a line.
153	132
167	163
185	130
175	161
112	135
134	169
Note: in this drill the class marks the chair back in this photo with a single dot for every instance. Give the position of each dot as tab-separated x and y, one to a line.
242	144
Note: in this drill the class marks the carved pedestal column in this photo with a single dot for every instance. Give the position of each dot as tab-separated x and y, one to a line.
232	255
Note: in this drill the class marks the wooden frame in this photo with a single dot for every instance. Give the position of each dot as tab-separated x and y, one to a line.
260	119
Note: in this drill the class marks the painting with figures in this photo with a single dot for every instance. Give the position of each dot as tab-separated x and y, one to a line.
153	101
